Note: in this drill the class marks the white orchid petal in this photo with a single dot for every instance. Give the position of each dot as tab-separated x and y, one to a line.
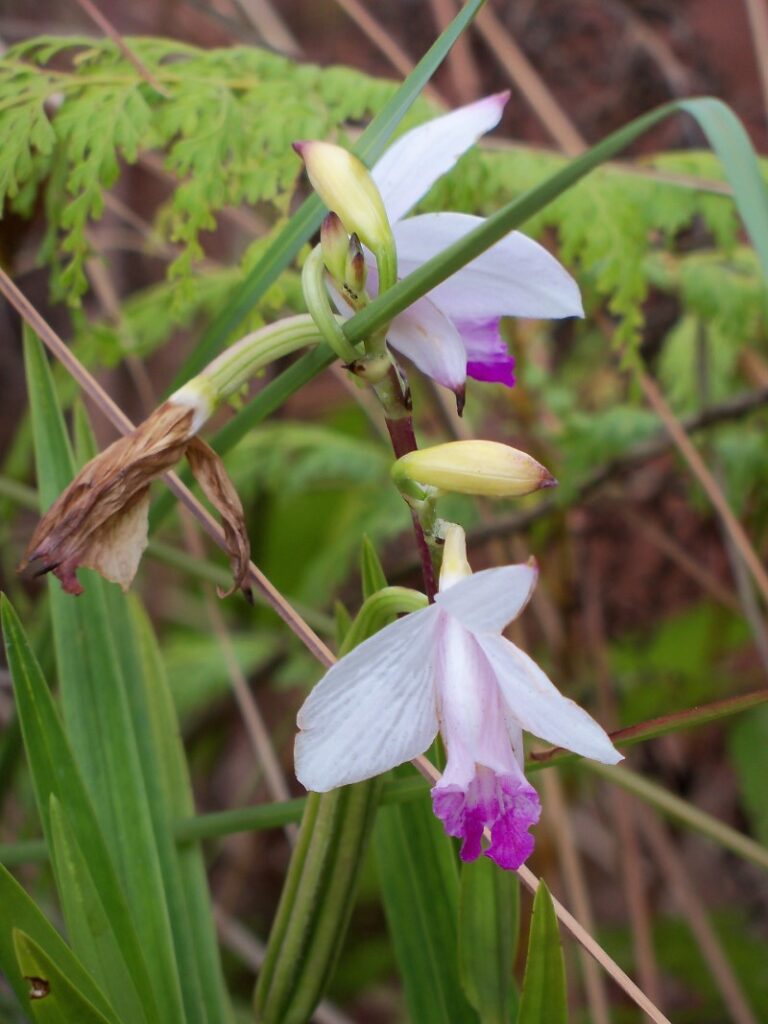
539	707
374	709
486	601
515	277
472	718
429	339
412	165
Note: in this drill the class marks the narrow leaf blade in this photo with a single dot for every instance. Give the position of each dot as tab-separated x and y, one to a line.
544	996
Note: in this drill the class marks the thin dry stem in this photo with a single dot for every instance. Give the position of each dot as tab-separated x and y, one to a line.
677	553
640	918
459	62
758	20
385	44
559	822
270	26
684	892
109	29
258	734
707	481
530	83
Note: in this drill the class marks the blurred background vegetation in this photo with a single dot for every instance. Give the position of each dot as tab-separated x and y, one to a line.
131	227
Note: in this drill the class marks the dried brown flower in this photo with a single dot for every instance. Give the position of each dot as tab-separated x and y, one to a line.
100	521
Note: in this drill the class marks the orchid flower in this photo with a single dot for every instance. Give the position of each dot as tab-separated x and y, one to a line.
447	667
453	331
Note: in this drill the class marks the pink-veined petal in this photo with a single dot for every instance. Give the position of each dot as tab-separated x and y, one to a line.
486	601
374	709
515	277
412	165
428	338
539	707
488	358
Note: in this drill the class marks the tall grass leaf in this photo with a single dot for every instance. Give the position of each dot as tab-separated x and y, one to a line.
489	911
167	786
307	218
21	913
371	571
53	999
420	891
543	997
88	922
55	773
96	708
170	793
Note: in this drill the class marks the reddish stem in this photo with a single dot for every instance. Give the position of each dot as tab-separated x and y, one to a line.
403	441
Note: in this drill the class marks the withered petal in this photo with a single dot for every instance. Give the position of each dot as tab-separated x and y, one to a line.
115	549
208	470
102	490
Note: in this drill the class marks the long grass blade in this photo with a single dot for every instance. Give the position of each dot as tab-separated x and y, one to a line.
55	773
21	913
53	997
420	892
543	997
96	709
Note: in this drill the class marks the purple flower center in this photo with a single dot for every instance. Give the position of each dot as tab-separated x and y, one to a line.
507	805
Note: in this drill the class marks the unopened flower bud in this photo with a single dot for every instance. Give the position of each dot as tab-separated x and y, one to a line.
334	243
484	468
355	270
455	565
345	185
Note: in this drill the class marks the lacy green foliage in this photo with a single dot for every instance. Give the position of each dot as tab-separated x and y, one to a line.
73	110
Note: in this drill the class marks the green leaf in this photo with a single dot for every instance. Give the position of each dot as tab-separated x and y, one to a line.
307	218
371	570
96	709
171	799
90	929
55	773
544	997
53	998
20	913
488	926
748	745
420	890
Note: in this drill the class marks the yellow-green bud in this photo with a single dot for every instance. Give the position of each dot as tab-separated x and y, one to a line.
455	566
355	270
345	185
334	243
484	468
